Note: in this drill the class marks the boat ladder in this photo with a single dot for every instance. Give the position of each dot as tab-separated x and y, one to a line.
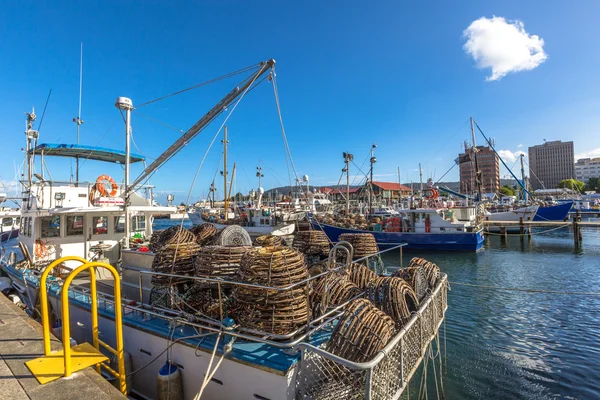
54	365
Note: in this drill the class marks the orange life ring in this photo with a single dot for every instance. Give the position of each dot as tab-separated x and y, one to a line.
101	185
431	193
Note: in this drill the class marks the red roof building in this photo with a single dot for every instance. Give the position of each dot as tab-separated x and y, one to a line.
390	190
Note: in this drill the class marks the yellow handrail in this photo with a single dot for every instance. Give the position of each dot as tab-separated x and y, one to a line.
66	327
44	298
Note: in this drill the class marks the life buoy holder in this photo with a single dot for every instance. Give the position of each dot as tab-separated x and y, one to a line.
101	186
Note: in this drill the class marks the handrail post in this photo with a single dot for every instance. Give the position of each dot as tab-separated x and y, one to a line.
44	298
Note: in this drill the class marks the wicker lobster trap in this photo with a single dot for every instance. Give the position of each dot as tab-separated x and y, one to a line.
323	375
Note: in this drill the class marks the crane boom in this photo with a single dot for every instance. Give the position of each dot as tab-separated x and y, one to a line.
202	123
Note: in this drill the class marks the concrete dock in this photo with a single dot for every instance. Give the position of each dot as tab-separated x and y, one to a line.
20	341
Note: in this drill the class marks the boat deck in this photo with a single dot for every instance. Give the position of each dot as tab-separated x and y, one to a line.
21	341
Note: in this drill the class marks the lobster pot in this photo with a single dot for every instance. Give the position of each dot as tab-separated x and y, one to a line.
204	233
432	271
269	240
360	275
416	278
312	243
364	244
220	261
202	300
233	235
169	294
174	259
273	311
394	296
168	383
170	236
332	290
363	330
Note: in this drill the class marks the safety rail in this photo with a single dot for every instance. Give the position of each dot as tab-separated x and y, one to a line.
44	368
324	375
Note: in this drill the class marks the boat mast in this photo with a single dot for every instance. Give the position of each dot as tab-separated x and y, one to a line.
347	158
399	187
477	172
32	136
372	161
125	104
421	185
224	141
523	178
78	120
259	173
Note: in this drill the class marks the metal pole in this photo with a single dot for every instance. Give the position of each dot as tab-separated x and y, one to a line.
523	178
125	104
347	185
225	173
78	121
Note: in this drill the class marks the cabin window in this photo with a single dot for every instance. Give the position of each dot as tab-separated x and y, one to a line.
18	220
7	222
74	225
119	224
50	226
29	223
138	223
99	225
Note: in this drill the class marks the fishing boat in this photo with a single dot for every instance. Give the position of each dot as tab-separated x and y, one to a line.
10	221
422	229
175	349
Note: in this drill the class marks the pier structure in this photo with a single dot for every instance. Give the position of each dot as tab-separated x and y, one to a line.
21	341
525	226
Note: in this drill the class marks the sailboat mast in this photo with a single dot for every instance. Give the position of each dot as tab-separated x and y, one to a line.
373	161
523	178
78	120
399	186
224	141
477	173
421	184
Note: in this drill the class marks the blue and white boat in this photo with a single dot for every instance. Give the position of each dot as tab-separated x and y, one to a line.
559	212
420	229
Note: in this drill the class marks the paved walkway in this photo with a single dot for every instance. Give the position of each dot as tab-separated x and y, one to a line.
20	341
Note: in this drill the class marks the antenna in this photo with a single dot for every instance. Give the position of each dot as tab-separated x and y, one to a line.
78	119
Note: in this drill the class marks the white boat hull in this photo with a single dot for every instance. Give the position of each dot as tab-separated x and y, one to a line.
278	230
527	213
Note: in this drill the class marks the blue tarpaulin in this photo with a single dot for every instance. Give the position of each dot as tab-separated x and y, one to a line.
86	152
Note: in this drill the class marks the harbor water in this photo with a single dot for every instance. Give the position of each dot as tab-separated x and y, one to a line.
511	344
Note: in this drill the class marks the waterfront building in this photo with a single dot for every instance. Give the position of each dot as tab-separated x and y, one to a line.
587	168
390	190
489	166
550	163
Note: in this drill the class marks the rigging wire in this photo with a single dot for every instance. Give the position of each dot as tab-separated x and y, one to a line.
285	141
220	78
44	112
157	121
445	144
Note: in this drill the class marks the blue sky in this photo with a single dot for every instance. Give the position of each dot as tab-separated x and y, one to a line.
349	73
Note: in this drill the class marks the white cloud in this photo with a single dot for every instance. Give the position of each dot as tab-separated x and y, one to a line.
509	156
504	46
588	154
520	145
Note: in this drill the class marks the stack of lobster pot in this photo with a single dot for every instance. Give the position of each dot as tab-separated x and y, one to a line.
314	244
175	250
278	308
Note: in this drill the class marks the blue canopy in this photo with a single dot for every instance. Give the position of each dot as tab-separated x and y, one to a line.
86	152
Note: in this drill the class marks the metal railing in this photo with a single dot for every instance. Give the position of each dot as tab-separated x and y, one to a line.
324	375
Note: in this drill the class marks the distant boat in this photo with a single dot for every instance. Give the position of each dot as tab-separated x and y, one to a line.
436	234
9	225
558	212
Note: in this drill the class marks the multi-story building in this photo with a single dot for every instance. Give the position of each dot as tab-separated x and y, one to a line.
550	163
586	168
489	165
